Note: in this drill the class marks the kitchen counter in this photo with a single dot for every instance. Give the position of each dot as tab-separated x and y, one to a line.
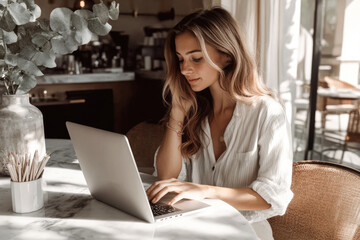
86	78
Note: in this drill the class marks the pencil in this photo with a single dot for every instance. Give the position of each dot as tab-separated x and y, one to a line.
42	165
12	173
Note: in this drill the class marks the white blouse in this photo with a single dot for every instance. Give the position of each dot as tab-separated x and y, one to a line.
258	155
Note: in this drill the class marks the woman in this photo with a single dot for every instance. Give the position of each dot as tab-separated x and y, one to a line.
227	135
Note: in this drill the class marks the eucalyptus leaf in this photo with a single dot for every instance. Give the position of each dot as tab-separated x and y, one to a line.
10	37
58	45
60	20
28	82
13	48
71	42
24	41
47	35
101	11
82	33
39	39
28	52
46	47
45	59
97	27
86	14
34	9
29	3
29	67
11	59
6	22
114	10
83	37
35	13
19	13
61	45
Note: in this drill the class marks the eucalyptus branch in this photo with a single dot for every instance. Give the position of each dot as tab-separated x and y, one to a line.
6	84
5	77
3	39
43	40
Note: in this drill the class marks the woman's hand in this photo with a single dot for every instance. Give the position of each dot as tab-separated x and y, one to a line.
183	189
181	104
239	198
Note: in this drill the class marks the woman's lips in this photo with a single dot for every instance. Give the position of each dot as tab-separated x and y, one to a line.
193	80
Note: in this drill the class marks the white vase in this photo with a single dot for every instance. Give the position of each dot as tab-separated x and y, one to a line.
21	128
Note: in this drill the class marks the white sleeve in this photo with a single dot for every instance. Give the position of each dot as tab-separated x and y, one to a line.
275	166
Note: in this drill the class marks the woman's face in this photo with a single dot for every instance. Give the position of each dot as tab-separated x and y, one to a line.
197	71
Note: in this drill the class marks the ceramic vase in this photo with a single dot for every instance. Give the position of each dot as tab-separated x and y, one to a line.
21	128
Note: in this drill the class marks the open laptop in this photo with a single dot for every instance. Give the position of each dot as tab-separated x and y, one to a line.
111	174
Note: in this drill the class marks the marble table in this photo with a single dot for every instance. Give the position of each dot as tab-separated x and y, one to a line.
71	213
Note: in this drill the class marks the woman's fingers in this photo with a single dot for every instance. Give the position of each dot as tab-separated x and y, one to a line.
177	198
161	193
157	187
183	190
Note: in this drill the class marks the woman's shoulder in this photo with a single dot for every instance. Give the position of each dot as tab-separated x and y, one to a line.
270	103
267	104
264	110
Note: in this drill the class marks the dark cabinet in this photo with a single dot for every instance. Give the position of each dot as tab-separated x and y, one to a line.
89	107
113	106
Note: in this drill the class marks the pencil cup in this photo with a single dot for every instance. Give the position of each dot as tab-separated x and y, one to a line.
27	196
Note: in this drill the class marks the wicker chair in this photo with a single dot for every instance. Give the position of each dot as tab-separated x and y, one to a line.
353	131
144	139
328	105
326	204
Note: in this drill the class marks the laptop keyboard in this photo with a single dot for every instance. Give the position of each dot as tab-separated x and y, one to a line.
160	209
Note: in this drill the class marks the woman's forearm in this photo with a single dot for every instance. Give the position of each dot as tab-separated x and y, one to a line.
168	161
239	198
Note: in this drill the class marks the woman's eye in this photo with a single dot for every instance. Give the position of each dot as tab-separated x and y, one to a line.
197	59
180	60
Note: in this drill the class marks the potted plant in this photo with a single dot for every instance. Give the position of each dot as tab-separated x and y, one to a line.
27	46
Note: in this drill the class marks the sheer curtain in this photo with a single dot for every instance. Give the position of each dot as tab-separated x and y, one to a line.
272	30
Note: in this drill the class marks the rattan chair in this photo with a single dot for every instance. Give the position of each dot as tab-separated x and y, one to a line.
144	139
328	105
326	204
353	132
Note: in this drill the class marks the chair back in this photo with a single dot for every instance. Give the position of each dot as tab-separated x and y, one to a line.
336	83
353	130
144	139
331	82
326	203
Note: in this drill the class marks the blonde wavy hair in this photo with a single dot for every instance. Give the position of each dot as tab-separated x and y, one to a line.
239	78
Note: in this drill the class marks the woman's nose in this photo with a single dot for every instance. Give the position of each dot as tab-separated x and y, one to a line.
186	68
